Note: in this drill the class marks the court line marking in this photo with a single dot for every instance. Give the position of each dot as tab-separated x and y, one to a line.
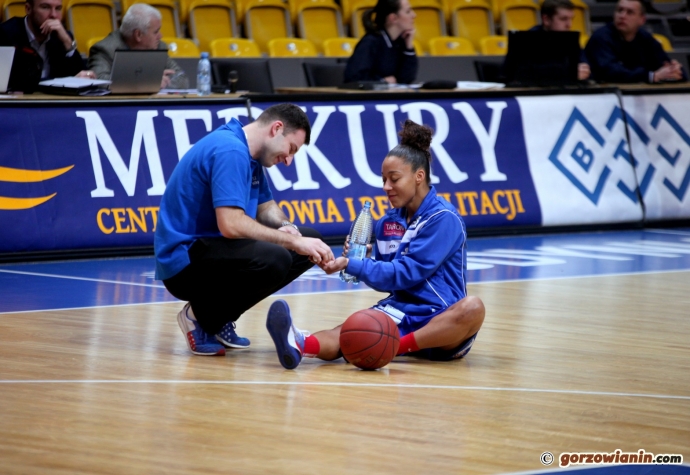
70	277
362	289
338	384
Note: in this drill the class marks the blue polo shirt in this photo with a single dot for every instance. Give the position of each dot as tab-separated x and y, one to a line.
216	171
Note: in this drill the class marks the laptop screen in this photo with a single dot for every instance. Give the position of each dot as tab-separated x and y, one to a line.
137	71
542	58
6	57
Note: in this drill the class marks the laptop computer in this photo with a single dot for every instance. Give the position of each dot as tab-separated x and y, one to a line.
6	58
137	71
542	58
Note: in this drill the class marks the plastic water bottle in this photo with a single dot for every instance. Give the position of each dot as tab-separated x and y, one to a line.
360	236
203	76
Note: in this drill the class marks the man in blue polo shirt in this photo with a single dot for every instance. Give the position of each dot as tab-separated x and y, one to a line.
222	243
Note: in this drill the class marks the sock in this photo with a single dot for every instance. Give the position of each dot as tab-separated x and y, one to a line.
311	346
408	344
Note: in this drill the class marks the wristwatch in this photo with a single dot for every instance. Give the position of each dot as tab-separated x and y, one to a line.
288	223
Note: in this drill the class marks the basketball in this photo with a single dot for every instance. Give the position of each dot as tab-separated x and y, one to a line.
369	339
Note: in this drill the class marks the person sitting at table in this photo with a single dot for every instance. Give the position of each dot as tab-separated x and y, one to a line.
557	15
44	49
386	52
140	30
624	52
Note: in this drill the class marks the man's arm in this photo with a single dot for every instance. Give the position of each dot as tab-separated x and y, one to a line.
606	66
269	214
100	61
234	224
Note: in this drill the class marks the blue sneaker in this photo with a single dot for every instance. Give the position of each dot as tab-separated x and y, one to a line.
199	342
230	339
288	339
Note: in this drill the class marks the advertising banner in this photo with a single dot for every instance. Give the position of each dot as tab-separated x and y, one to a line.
92	176
579	159
659	129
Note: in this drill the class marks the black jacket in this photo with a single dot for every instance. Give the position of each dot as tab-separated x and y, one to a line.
28	65
376	57
615	60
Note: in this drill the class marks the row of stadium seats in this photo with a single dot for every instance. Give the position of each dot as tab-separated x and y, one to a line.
315	20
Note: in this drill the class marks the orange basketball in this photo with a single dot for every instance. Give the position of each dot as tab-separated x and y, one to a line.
369	339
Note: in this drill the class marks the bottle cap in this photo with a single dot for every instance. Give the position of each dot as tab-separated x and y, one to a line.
204	55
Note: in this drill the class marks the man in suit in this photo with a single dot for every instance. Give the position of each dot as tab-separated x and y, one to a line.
140	29
44	48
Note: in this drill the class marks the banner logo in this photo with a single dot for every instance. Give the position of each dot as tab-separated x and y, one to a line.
19	175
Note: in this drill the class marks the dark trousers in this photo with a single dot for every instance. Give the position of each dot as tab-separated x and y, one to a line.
227	277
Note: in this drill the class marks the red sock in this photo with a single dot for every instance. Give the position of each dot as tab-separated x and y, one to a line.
311	346
408	344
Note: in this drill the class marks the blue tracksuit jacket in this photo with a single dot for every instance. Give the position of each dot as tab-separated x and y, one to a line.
422	264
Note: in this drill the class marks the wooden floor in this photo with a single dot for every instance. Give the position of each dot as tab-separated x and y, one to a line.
571	365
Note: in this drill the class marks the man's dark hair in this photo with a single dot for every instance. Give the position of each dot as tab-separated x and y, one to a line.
550	7
291	116
643	5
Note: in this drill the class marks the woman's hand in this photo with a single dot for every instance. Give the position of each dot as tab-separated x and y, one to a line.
408	36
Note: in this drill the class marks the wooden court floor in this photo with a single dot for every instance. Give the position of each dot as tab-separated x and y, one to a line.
570	365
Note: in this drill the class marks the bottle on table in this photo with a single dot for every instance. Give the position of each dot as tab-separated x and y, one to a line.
203	76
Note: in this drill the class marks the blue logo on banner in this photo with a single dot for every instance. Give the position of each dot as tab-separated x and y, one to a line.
583	157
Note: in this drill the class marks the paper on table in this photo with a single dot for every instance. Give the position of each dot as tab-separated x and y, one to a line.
74	82
479	85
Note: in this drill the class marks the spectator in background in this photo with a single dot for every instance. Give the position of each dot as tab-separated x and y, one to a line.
557	15
386	52
140	29
624	52
44	48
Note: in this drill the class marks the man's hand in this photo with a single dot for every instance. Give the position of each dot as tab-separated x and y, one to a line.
670	71
334	266
56	26
86	74
167	77
318	251
583	71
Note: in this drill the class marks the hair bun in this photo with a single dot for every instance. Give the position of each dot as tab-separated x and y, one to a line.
416	136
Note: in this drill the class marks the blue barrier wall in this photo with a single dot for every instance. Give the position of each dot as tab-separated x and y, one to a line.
89	175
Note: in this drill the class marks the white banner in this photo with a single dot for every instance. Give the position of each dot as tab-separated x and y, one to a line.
659	126
576	151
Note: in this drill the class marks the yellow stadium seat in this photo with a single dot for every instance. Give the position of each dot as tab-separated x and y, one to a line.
185	5
234	48
318	22
265	20
584	38
89	43
581	21
519	15
419	51
12	8
209	20
181	48
357	8
451	46
494	45
88	19
430	21
339	47
170	20
665	43
471	19
291	47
